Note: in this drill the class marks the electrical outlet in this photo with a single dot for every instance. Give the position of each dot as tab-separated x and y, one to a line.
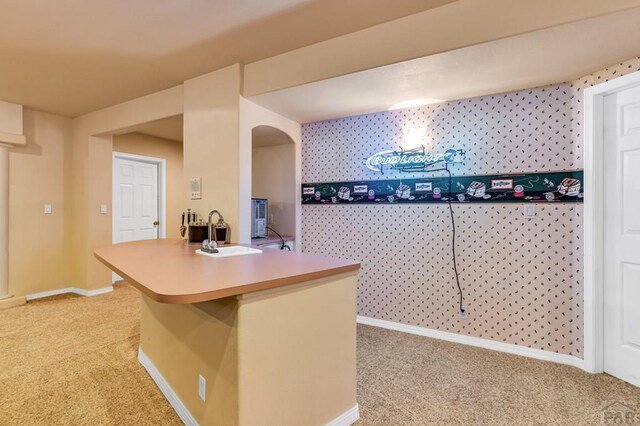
464	312
202	386
103	209
529	210
48	209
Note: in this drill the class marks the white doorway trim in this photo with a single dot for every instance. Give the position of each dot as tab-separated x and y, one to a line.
594	217
162	188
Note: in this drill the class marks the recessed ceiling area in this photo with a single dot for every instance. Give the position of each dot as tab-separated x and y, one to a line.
72	57
553	55
168	128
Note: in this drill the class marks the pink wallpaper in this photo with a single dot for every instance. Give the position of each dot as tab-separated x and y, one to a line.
522	278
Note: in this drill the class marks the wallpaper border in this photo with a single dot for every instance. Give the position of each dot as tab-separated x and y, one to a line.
545	187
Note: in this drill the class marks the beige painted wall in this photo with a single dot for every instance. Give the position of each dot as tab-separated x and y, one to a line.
297	353
210	104
260	372
100	225
213	125
171	151
273	177
184	341
37	177
89	183
211	150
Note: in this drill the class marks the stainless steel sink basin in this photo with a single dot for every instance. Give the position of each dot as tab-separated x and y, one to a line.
231	251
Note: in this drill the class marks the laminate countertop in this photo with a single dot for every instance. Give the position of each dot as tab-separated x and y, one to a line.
169	270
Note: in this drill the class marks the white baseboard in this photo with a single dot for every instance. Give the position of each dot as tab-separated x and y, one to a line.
476	341
347	418
75	290
95	292
180	409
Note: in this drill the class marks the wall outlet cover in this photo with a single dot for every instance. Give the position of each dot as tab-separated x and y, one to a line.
529	210
104	209
48	209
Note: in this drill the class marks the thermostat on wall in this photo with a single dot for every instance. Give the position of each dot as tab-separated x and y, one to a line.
194	185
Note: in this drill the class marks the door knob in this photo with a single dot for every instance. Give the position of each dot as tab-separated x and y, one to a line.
156	223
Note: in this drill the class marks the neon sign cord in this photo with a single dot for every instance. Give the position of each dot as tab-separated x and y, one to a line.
453	242
283	245
453	237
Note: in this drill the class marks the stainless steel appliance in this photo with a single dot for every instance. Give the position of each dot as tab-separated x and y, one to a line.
259	215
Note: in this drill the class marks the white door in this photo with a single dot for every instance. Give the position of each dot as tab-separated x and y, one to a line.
622	235
135	200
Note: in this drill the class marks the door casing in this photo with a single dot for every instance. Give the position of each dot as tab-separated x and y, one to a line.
594	217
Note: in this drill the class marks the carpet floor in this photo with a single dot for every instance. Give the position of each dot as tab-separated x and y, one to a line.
72	360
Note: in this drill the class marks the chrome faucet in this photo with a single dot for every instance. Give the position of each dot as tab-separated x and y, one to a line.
210	245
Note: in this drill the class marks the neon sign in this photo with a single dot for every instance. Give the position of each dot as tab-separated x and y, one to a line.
414	160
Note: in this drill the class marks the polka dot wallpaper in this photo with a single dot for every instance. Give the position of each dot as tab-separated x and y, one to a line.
512	132
522	278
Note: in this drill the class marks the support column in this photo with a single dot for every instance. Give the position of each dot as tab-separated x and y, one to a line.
4	221
6	300
11	135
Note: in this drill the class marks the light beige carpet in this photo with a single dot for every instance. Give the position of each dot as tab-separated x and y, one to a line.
72	361
411	380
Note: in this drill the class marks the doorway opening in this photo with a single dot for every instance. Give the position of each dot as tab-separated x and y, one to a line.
147	179
273	177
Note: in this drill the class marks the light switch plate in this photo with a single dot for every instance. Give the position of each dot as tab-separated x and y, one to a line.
48	209
529	210
195	188
104	209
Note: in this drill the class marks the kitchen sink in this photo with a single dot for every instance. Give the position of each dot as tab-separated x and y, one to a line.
230	251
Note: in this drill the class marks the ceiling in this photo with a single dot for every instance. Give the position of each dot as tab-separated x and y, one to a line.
71	57
557	54
167	128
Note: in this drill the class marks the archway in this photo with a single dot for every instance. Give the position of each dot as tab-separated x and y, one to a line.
273	162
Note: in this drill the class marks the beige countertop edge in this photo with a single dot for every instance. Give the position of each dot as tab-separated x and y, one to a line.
230	291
